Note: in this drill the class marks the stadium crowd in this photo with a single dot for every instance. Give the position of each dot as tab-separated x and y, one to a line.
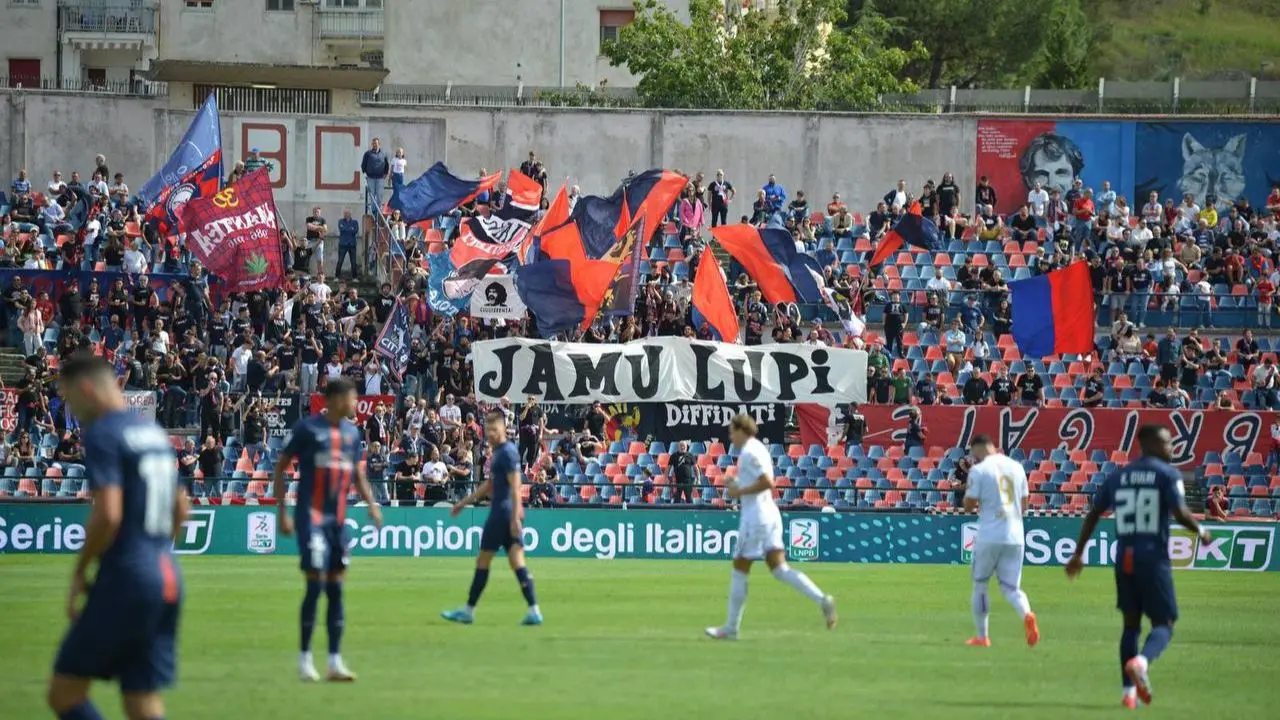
215	360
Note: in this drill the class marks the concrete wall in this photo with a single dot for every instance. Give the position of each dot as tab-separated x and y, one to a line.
317	158
30	32
237	32
500	42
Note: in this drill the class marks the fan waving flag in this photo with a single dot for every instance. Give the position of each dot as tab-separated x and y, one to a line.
1053	313
565	291
194	170
913	229
235	234
436	192
769	255
711	303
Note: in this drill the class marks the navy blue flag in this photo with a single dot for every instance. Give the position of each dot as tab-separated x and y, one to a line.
604	221
393	341
436	192
202	140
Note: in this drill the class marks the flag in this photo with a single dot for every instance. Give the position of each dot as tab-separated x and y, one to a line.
446	293
1053	313
913	229
564	291
651	194
556	215
620	298
487	237
770	258
436	192
711	302
393	340
602	221
497	298
202	140
524	196
465	279
236	235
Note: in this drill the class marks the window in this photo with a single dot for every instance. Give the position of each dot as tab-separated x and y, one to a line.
198	4
96	77
280	5
26	3
613	20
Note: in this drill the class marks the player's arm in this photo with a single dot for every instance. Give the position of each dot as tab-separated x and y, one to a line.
517	503
104	524
366	494
971	492
181	508
476	496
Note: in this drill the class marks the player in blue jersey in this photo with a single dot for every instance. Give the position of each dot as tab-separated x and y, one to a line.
127	628
327	448
503	526
1143	494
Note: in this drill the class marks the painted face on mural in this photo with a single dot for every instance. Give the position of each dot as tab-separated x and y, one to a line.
1052	172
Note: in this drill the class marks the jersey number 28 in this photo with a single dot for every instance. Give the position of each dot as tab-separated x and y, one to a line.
1137	511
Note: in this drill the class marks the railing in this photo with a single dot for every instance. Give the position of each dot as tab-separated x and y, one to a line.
265	99
100	18
1239	97
136	86
350	24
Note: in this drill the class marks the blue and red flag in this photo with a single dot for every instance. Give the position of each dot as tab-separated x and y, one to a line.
711	303
565	290
436	192
783	274
1054	313
194	170
913	229
604	221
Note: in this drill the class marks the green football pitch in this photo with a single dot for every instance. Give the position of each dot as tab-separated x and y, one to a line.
623	639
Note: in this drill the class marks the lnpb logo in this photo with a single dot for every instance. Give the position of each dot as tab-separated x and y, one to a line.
196	535
1233	547
804	539
968	538
261	532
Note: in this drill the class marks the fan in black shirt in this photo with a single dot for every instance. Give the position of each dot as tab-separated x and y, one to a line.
1002	388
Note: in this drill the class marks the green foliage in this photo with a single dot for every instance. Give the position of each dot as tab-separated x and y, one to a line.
1066	58
806	56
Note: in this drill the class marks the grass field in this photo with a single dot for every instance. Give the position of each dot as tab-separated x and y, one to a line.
623	640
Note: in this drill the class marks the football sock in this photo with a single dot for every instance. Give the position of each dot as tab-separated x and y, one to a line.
308	614
526	587
1016	598
1157	640
1128	650
83	711
737	600
478	581
799	581
981	608
335	617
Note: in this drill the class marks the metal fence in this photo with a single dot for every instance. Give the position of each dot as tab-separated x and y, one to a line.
99	18
135	86
1112	97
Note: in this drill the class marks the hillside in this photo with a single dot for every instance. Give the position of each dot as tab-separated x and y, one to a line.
1192	39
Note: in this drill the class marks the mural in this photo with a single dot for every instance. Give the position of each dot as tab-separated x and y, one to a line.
1225	160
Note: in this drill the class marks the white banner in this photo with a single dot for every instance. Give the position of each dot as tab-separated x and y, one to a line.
667	369
142	402
495	298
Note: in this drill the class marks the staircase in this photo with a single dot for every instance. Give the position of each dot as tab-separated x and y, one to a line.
11	365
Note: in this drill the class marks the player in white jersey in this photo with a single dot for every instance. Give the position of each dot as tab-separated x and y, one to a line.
998	491
759	531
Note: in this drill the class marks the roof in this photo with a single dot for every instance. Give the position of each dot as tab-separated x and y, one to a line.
301	77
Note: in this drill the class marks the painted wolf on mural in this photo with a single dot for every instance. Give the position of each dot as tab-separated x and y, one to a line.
1216	171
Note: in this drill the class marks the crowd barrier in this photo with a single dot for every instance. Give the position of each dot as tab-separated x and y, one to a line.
673	534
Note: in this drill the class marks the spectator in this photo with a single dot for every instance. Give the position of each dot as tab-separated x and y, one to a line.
1023	227
1247	350
534	168
722	193
775	195
1264	384
990	225
901	387
895	314
375	166
960	480
916	433
855	426
1093	394
1031	388
948	195
1216	507
1037	200
985	195
897	197
399	164
683	468
976	391
348	239
954	342
408	473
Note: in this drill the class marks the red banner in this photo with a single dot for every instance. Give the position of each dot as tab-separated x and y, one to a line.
364	405
487	238
235	234
1195	432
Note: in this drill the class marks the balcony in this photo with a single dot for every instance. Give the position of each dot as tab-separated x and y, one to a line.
101	18
358	26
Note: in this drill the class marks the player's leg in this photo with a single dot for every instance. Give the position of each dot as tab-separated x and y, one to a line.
68	697
335	610
1161	606
152	660
489	544
1009	576
314	553
1129	602
515	558
776	559
737	592
985	557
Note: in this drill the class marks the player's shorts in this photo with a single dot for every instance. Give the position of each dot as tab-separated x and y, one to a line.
999	559
1146	589
132	639
323	548
758	538
496	534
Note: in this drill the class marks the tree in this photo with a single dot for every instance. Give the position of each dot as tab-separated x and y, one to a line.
1066	60
804	56
992	43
